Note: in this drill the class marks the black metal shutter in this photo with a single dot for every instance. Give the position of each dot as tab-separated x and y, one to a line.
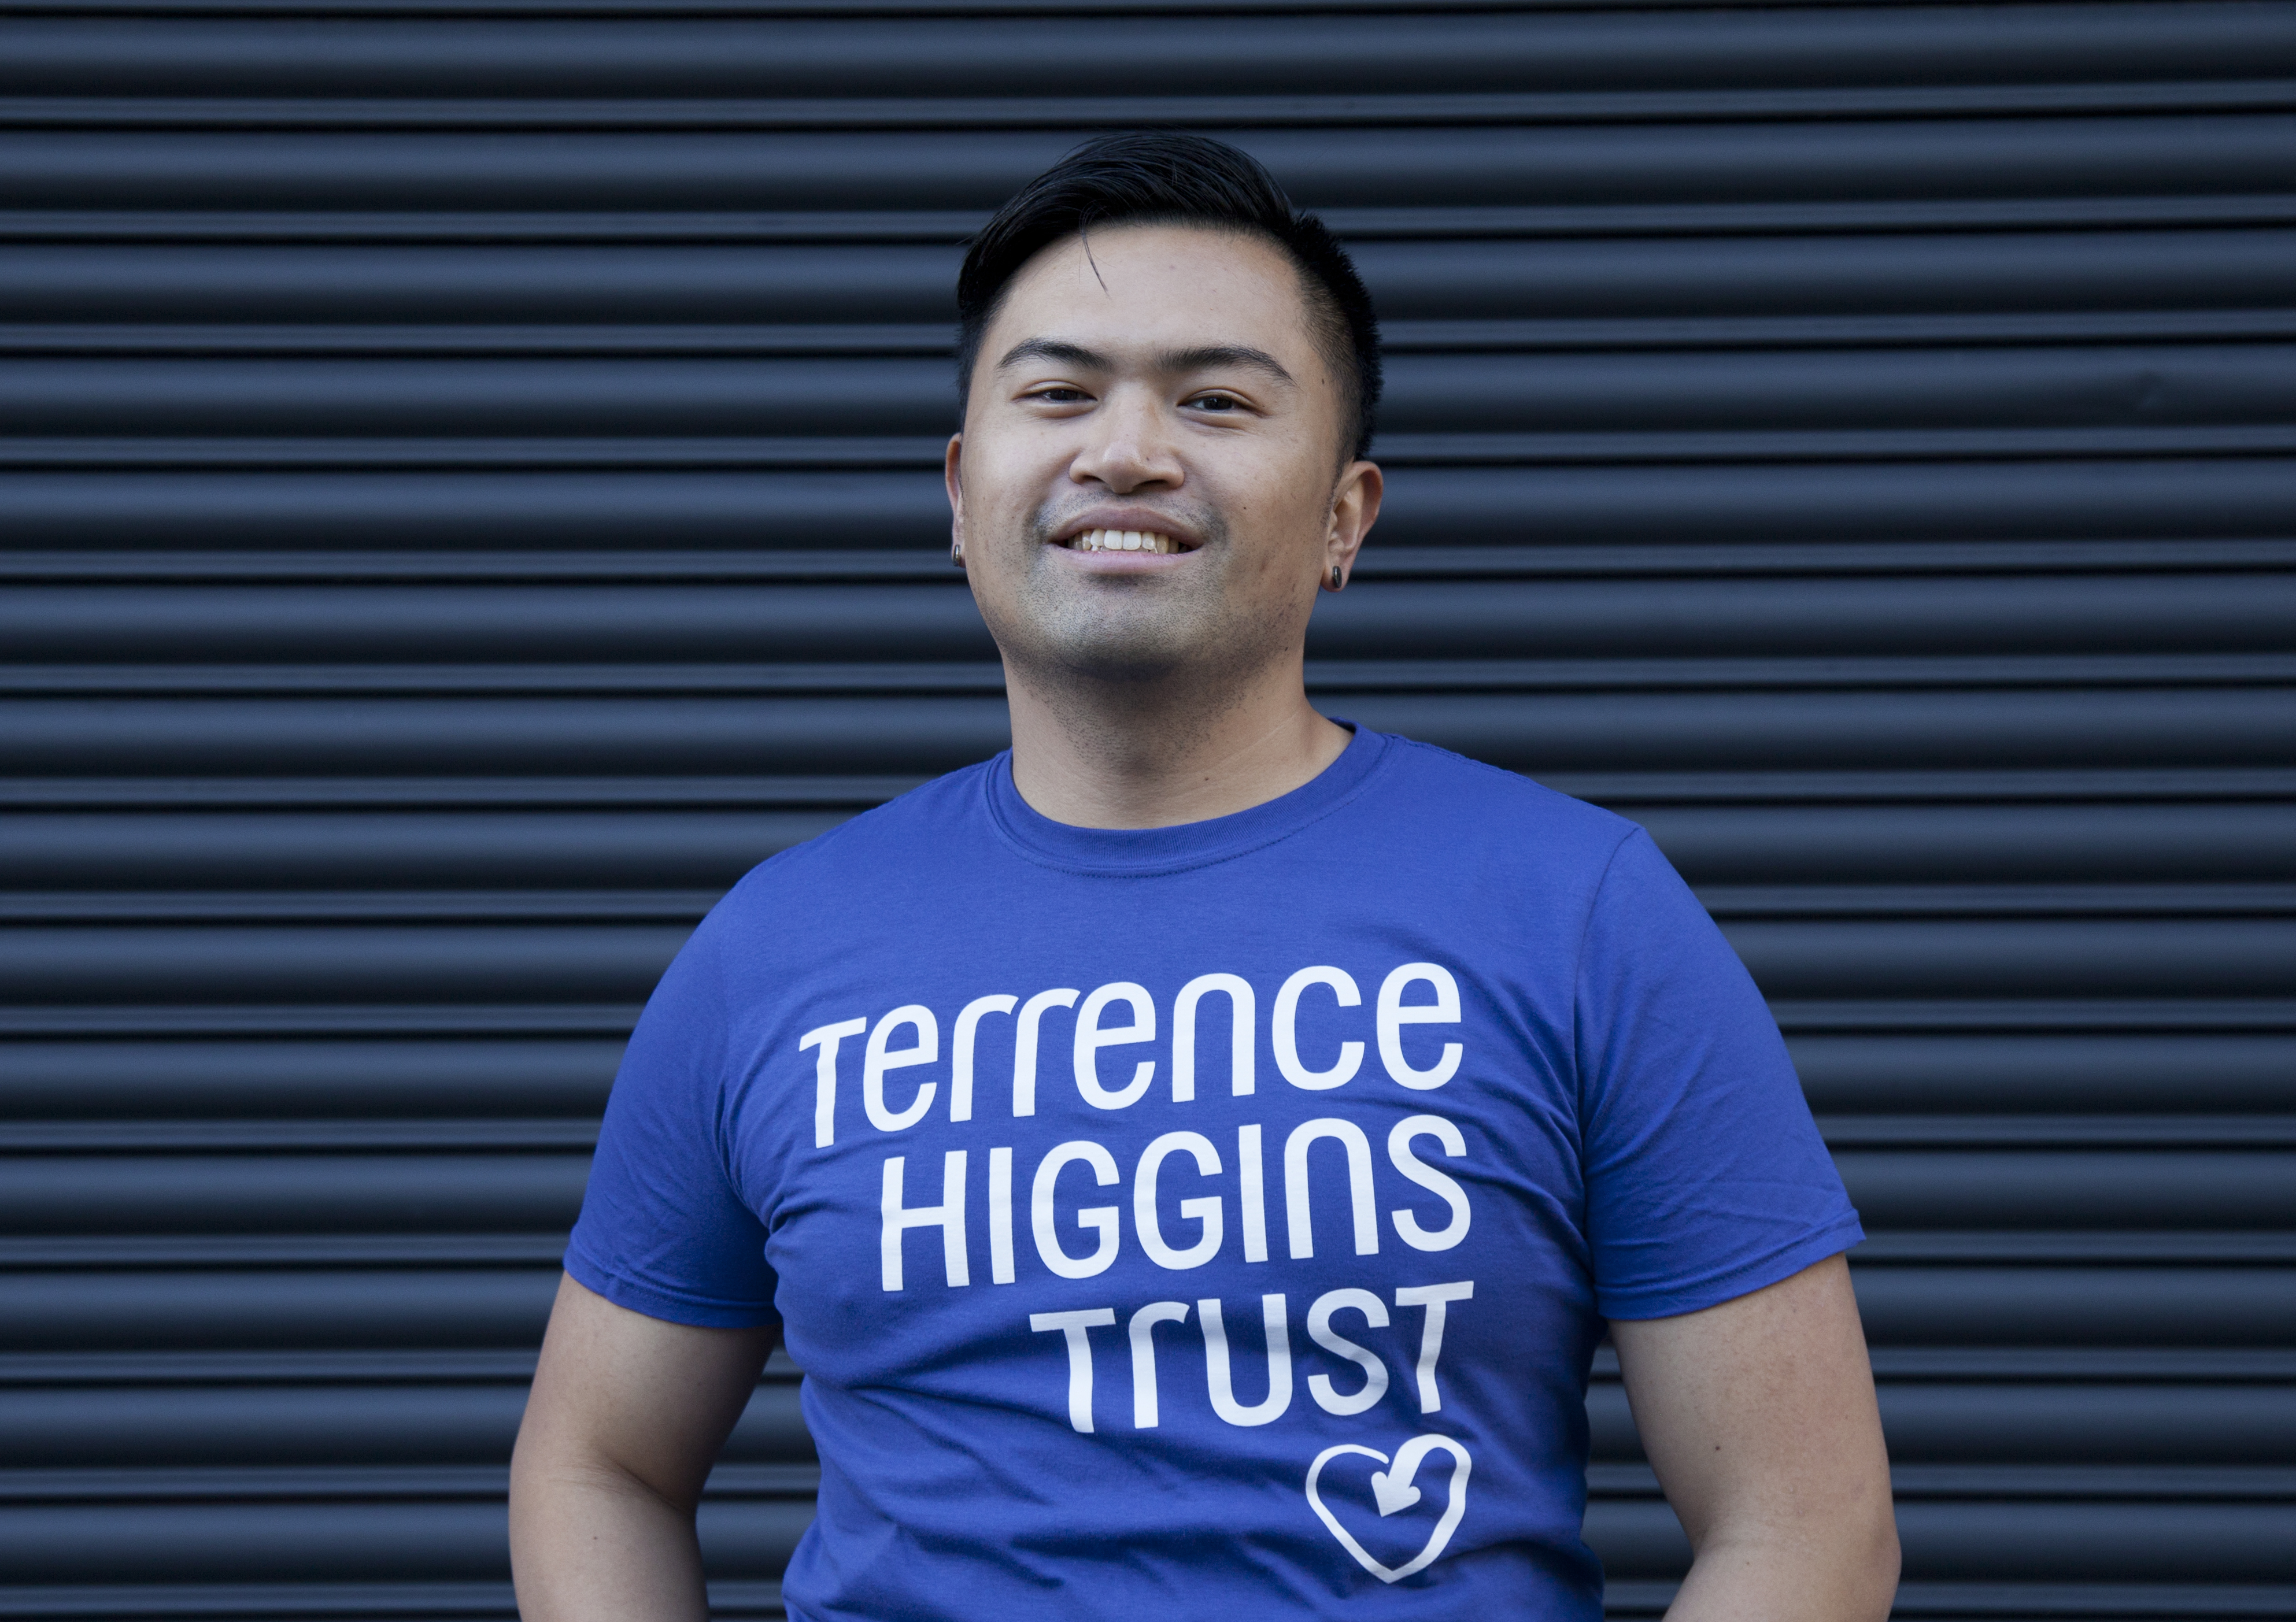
469	492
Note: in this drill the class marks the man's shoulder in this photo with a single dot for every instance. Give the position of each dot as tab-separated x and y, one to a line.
873	845
1470	798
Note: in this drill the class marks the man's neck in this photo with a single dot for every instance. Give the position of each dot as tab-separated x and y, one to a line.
1152	756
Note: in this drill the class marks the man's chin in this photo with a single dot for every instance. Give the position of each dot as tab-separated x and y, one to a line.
1116	663
1144	661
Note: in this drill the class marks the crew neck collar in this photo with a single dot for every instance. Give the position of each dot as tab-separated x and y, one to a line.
1137	851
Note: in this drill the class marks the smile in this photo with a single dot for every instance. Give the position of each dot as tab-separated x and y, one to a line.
1123	540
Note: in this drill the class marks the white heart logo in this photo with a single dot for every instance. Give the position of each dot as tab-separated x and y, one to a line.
1392	1490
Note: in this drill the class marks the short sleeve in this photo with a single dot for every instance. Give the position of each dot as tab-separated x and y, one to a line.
663	1231
1705	1176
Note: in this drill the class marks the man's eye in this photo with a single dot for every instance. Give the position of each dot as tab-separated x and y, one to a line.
1214	402
1058	396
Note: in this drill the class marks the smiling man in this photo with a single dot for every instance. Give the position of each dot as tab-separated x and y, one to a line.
1197	1155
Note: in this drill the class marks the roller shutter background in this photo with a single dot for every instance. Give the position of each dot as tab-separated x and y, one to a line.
469	492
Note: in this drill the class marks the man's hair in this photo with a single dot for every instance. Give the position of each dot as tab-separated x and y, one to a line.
1159	178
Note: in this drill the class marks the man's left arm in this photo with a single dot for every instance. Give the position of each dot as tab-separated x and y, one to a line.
1759	1417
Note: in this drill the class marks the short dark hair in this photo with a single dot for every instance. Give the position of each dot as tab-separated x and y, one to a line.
1166	178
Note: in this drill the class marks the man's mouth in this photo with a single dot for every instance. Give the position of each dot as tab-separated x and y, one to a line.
1123	540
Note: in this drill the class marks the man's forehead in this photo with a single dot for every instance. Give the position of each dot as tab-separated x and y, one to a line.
1138	294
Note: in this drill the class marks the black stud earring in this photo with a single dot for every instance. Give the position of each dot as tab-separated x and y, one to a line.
1335	577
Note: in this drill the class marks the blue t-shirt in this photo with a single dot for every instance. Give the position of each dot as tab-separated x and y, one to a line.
1220	1216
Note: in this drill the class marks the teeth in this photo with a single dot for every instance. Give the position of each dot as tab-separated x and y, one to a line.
1124	540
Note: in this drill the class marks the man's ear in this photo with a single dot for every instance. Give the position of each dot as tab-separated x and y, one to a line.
953	476
1355	507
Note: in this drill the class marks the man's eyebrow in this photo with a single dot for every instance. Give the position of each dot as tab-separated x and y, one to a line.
1053	349
1212	356
1204	358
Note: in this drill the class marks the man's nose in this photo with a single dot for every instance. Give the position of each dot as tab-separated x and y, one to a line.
1129	444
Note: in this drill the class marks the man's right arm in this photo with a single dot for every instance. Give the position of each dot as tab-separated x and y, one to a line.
626	1418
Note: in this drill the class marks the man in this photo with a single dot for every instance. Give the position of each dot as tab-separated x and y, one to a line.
1195	1157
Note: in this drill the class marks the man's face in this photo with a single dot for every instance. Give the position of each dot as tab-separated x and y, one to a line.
1151	481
